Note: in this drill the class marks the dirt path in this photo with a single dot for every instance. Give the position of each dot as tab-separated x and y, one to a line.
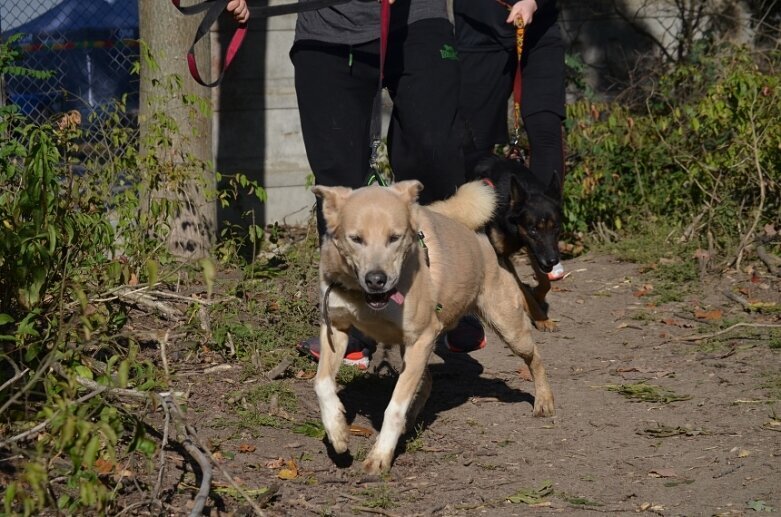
480	451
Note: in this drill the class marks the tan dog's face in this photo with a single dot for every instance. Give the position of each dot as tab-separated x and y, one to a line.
374	231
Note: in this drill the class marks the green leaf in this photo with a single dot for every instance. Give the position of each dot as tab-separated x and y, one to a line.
209	275
83	371
91	450
532	496
759	506
123	373
10	494
5	318
312	429
151	272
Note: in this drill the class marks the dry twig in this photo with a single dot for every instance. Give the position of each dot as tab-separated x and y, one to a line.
700	337
13	379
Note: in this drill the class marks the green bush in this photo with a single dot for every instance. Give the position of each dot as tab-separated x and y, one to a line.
72	231
702	150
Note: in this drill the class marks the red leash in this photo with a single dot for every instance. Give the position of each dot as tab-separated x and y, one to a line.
213	10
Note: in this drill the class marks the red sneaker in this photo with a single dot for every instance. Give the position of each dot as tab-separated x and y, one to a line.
357	353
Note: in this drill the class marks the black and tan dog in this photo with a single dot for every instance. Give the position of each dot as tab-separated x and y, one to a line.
402	273
528	215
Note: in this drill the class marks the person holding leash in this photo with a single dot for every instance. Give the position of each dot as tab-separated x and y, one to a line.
486	44
336	56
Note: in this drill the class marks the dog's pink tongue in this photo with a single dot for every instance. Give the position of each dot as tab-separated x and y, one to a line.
397	297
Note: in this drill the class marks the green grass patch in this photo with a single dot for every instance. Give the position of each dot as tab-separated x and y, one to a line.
379	497
643	392
264	392
415	442
771	381
311	428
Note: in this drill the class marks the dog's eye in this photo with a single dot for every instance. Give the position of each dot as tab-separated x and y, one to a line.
357	239
394	238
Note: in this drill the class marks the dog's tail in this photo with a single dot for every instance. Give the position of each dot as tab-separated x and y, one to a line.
473	205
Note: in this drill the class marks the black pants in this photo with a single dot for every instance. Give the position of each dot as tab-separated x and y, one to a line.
486	85
335	87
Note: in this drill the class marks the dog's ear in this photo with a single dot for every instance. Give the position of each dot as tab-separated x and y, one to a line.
408	190
518	195
333	199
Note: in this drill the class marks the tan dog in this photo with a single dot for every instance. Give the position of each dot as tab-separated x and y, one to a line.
402	273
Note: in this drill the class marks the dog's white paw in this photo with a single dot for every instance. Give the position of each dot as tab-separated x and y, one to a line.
543	403
336	428
377	462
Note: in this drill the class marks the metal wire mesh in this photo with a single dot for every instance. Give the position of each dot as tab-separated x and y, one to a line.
90	47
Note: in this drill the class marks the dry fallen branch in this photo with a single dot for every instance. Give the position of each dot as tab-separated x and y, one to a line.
280	369
772	262
40	427
700	337
15	378
145	300
737	299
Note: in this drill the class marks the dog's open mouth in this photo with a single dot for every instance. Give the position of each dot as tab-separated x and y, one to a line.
379	301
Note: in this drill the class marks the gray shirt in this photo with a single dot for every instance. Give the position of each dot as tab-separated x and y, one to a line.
358	21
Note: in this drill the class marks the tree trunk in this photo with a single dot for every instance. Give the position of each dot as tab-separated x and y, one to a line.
168	34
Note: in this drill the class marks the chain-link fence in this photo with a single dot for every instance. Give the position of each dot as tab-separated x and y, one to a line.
89	46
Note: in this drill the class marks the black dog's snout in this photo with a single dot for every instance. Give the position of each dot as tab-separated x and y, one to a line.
549	262
376	280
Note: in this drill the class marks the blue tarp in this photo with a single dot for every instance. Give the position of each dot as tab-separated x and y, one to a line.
90	46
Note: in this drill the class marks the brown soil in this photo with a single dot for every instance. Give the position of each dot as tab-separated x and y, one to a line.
716	451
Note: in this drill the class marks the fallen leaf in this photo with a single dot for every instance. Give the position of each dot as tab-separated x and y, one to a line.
124	473
646	289
743	453
663	473
291	472
357	430
711	315
277	463
103	466
218	456
305	375
246	447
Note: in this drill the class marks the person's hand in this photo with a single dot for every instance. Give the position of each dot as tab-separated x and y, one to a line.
239	10
522	11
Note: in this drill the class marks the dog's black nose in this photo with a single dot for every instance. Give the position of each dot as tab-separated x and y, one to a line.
376	280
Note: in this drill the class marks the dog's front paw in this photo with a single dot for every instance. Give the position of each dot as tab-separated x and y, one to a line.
338	436
543	404
336	428
377	462
547	325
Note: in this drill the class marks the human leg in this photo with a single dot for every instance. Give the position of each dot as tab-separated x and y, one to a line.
425	135
542	104
335	95
486	83
546	157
